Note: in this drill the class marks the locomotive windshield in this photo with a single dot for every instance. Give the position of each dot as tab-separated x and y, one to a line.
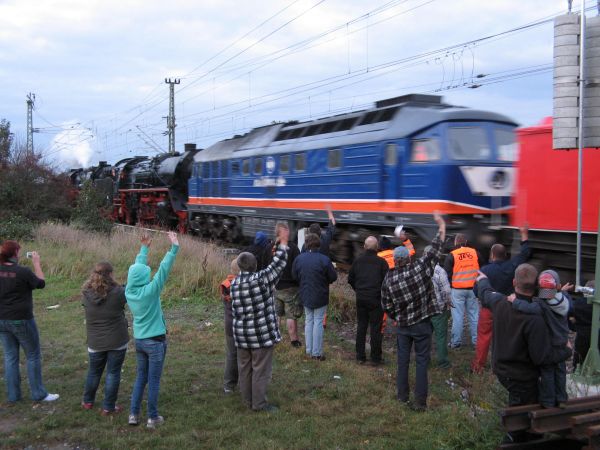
507	144
468	143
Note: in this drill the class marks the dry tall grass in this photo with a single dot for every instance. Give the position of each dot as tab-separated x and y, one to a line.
199	269
72	253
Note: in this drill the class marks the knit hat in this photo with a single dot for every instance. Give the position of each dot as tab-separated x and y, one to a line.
401	252
260	239
548	282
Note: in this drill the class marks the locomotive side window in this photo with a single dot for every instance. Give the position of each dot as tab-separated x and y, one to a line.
468	143
245	167
507	146
300	162
284	164
334	159
258	166
424	150
391	155
235	167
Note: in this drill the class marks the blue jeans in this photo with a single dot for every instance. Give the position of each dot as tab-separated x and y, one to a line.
418	335
150	359
313	330
24	333
464	299
113	361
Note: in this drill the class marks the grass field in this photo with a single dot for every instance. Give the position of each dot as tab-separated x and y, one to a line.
332	404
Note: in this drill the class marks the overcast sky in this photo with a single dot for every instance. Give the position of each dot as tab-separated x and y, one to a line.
97	67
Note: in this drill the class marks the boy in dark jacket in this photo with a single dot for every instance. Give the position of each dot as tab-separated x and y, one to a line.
230	378
553	306
366	276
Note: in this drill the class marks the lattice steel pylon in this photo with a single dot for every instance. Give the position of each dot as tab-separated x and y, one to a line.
30	105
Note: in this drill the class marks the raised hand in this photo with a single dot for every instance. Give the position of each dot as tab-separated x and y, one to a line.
35	257
173	237
146	240
524	230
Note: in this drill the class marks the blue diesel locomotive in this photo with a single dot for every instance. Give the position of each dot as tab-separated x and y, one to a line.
392	164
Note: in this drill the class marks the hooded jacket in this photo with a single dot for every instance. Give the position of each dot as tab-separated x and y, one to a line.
105	320
143	294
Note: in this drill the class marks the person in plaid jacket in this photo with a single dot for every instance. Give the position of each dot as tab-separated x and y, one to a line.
255	325
408	297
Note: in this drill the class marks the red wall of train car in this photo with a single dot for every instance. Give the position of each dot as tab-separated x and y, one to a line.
546	189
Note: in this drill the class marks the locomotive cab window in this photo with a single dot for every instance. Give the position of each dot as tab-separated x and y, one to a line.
334	159
507	146
424	150
258	166
468	143
284	164
299	162
245	167
391	155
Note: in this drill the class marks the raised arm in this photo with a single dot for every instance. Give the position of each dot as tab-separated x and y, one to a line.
142	257
37	267
432	257
273	271
525	252
489	298
160	277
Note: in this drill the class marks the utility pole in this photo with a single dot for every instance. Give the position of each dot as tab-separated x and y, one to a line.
171	117
30	105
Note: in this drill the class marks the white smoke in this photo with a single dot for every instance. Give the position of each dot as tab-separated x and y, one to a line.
72	146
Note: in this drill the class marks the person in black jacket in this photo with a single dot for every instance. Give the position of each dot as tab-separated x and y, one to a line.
261	249
520	344
107	336
366	276
287	299
315	273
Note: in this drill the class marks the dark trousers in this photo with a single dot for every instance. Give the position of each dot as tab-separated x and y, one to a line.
520	393
418	335
368	316
230	378
255	366
113	361
553	384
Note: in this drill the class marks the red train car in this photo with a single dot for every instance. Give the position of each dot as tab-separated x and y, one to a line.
546	198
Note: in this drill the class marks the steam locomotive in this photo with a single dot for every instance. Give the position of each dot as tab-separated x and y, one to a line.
394	163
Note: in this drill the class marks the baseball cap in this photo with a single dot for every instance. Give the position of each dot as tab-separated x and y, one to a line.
548	282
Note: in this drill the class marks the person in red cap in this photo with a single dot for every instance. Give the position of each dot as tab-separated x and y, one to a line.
553	305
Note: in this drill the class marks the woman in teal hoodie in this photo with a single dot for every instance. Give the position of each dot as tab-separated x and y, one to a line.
149	329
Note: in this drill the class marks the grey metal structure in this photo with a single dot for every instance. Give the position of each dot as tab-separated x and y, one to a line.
171	117
30	104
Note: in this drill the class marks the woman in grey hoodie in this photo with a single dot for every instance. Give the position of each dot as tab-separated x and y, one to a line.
107	336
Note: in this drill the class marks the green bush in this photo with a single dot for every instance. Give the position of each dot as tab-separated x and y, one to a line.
91	213
17	228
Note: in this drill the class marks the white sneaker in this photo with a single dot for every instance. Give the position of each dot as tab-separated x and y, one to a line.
50	397
133	420
153	423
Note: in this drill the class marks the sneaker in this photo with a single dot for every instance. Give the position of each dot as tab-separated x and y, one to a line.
153	423
319	358
50	398
106	412
86	405
418	407
227	391
454	345
378	362
296	343
133	420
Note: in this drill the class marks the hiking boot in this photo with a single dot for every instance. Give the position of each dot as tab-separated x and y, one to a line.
319	358
86	405
153	423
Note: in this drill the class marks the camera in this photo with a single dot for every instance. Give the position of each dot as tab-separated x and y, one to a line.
29	254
